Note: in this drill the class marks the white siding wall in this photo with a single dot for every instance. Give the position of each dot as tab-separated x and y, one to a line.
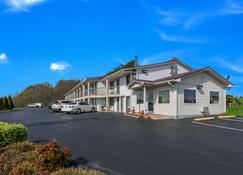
123	87
202	97
134	105
100	102
100	84
158	72
165	108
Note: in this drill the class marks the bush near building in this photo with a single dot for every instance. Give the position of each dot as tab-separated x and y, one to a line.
26	158
11	133
235	106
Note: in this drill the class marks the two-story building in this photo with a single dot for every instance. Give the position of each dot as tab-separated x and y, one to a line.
171	88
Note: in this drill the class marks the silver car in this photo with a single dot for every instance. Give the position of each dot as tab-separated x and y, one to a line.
77	107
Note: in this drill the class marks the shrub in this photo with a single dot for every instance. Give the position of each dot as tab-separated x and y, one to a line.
51	156
25	168
11	133
15	154
77	171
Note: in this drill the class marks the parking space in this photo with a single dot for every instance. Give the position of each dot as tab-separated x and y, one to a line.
233	124
131	146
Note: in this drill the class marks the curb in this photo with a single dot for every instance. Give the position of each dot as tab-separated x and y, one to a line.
204	118
229	116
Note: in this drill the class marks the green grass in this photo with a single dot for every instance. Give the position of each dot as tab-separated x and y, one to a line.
235	109
15	109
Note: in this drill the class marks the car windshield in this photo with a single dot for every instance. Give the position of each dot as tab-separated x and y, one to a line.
65	102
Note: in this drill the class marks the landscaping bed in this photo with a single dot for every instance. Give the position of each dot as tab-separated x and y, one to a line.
21	157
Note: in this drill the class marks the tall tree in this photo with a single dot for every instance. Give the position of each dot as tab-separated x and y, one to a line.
1	103
5	103
10	101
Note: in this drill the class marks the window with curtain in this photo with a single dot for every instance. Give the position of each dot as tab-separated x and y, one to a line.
164	96
214	97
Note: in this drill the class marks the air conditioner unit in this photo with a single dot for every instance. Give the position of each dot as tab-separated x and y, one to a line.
199	87
205	110
144	71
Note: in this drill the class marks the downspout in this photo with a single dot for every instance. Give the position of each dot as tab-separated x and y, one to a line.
169	83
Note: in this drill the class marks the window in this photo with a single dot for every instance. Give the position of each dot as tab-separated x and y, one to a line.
164	96
128	79
214	97
189	96
140	98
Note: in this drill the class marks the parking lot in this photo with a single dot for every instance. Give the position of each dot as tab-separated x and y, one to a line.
124	145
231	124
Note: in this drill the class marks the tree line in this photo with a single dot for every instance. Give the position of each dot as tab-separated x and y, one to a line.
6	103
44	93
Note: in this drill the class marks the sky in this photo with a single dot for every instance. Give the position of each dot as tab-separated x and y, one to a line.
49	40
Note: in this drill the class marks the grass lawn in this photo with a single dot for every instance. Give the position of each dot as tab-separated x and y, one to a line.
15	109
235	109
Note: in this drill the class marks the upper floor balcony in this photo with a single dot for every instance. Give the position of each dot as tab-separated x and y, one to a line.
102	91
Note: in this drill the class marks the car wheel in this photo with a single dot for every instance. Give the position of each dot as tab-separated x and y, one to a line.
93	110
78	111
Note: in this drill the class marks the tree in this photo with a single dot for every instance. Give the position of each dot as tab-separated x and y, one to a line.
10	101
132	63
5	103
1	103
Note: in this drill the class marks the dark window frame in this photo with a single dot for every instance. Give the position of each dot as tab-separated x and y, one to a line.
211	100
193	94
140	98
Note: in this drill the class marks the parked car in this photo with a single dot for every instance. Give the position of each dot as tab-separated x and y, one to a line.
57	105
35	105
77	107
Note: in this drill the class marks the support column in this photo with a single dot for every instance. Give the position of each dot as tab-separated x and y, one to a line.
107	94
120	109
83	87
79	92
107	103
107	86
125	104
144	100
88	92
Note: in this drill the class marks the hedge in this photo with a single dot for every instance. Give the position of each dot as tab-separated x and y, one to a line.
11	133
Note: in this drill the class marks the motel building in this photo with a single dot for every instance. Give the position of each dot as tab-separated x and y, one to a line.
172	89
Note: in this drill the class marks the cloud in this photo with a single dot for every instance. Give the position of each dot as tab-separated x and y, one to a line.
177	38
169	17
187	20
162	56
232	7
235	66
22	5
3	58
59	66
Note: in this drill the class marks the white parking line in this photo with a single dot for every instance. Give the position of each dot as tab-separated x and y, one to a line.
234	120
218	126
239	118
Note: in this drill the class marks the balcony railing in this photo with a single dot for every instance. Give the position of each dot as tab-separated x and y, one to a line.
114	90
